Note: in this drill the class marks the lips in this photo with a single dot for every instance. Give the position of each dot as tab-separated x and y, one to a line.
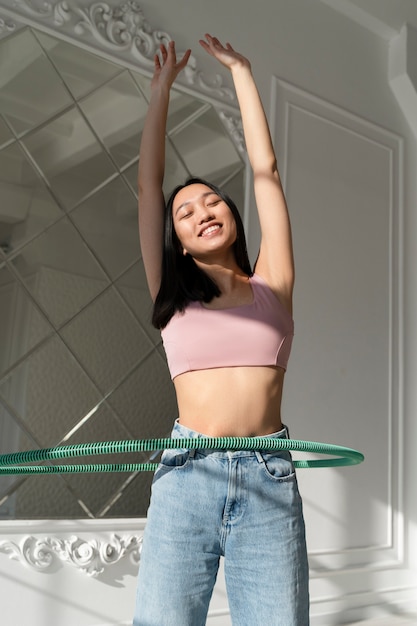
208	230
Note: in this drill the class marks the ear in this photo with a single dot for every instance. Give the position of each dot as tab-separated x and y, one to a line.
184	251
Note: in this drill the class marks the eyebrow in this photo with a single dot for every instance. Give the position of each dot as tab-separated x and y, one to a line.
203	195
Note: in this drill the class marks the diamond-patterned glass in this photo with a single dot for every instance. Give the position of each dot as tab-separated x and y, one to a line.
121	96
133	287
81	71
50	392
22	324
200	141
107	221
79	359
5	133
31	90
26	206
107	340
60	271
70	157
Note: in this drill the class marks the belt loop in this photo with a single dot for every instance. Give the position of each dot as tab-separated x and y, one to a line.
259	456
191	453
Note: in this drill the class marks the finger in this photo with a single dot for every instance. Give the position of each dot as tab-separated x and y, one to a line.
164	51
216	41
184	59
212	41
204	45
171	49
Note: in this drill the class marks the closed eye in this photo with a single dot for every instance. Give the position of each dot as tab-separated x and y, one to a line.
185	215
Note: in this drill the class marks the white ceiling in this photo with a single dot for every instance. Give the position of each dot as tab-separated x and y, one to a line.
383	17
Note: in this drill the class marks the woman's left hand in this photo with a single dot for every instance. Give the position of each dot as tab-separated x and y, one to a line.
224	54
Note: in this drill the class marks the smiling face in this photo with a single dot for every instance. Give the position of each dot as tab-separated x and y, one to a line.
203	221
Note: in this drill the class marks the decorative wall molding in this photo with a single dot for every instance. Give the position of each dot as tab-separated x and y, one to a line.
233	125
122	31
350	577
90	556
290	100
403	74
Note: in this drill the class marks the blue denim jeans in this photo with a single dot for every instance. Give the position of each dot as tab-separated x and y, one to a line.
244	506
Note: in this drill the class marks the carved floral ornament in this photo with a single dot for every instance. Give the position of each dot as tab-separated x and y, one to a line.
6	26
91	556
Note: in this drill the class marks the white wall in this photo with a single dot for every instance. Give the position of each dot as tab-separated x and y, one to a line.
349	160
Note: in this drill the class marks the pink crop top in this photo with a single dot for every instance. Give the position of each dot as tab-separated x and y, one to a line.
259	333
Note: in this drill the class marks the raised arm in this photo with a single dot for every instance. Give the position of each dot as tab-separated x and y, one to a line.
152	164
275	261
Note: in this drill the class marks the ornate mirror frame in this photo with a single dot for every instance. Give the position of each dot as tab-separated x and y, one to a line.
119	34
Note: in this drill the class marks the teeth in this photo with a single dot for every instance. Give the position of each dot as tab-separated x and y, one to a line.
209	230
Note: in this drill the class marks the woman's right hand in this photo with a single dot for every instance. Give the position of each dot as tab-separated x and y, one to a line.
167	67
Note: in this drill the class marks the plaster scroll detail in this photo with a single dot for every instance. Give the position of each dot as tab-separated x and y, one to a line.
233	124
55	11
6	26
91	556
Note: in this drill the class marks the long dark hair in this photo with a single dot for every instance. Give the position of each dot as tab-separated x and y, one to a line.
182	281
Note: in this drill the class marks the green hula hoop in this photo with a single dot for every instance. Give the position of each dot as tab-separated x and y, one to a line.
11	463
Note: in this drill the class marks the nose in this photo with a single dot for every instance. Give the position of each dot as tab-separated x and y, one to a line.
205	215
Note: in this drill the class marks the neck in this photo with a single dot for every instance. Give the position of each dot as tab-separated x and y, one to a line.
227	277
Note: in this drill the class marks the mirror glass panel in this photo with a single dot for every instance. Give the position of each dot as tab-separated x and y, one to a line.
31	89
79	359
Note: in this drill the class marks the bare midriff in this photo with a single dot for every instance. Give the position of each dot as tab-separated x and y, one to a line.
231	401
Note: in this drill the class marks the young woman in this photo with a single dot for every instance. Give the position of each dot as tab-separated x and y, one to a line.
227	335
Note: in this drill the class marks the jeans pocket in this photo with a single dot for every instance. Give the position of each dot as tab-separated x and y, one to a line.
278	466
174	459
